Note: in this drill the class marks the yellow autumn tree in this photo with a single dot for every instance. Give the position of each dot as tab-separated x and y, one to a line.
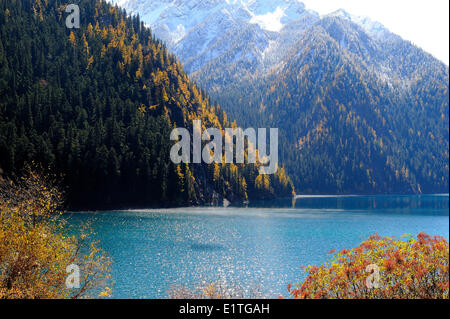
72	38
36	247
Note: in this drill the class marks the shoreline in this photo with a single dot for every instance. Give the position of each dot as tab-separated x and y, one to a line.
366	195
237	204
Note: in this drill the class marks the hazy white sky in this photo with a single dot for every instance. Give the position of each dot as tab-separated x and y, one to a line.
425	23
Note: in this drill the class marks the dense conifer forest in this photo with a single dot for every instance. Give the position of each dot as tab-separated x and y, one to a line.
96	106
356	114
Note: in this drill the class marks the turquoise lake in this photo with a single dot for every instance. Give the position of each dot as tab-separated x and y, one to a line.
261	246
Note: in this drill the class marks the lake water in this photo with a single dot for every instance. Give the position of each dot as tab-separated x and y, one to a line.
261	246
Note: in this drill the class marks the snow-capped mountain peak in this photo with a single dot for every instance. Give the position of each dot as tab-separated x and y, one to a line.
172	19
373	28
272	15
241	35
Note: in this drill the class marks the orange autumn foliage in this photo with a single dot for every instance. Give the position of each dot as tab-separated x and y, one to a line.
416	268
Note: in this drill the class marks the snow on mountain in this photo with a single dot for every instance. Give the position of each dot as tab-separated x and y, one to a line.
270	21
171	20
272	15
373	28
244	38
201	32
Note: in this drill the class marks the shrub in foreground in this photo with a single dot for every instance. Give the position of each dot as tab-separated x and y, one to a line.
35	247
214	290
382	268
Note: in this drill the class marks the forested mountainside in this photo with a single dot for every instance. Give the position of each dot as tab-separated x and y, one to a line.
359	109
96	105
356	114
